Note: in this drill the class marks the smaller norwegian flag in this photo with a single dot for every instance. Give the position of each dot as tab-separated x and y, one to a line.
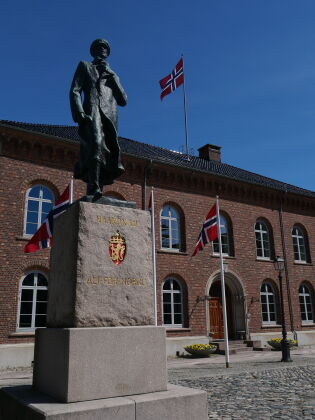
172	81
42	238
209	231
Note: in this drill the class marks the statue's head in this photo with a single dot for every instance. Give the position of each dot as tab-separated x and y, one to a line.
99	48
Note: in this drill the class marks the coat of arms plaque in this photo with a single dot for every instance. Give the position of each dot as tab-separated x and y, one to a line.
117	248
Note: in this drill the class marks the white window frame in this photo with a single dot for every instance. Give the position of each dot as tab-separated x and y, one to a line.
267	294
299	237
216	241
35	288
263	229
40	201
172	292
304	294
170	220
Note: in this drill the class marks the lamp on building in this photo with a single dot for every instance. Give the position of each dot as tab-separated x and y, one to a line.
285	346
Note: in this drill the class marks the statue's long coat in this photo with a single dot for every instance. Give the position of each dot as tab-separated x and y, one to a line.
98	136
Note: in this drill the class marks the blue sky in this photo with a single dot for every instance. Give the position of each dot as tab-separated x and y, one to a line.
249	68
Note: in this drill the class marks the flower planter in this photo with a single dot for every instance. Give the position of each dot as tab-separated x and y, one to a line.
276	344
201	350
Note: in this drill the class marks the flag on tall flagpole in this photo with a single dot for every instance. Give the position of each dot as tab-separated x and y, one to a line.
226	333
209	230
42	238
173	80
151	209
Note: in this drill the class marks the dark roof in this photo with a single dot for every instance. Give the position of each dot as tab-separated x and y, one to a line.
159	154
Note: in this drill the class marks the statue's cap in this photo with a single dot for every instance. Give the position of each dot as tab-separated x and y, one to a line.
97	42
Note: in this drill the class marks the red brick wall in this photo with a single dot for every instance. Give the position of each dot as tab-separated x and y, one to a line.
249	270
192	193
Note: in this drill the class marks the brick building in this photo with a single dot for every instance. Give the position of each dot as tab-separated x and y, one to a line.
260	218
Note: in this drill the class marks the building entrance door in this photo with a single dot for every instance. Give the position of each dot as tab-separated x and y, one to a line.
216	317
216	312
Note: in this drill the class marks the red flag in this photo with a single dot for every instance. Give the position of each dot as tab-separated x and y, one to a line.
39	240
209	231
42	237
170	82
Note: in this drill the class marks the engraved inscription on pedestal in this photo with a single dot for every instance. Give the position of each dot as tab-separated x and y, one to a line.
101	269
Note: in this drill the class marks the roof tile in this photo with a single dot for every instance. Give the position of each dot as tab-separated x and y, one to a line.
159	154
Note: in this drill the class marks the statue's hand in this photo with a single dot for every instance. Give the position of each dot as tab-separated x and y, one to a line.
109	71
83	117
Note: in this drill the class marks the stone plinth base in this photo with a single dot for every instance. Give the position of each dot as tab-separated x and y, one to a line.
177	403
79	364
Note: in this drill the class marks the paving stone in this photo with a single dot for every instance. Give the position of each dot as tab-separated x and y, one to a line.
276	391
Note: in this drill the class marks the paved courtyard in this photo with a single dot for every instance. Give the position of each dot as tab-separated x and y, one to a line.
256	386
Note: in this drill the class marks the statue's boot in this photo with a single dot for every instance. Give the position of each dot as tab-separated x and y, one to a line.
93	187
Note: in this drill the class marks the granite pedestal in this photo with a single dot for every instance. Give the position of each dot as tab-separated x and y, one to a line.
177	403
101	357
87	288
79	364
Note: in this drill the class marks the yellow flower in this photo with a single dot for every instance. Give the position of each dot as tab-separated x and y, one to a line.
279	340
200	346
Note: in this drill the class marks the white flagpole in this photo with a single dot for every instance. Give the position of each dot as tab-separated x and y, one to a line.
153	256
226	340
185	112
71	191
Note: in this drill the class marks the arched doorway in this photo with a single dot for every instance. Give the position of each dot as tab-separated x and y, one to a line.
235	307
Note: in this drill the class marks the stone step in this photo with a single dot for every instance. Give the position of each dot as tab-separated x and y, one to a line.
23	402
232	345
235	350
253	343
236	346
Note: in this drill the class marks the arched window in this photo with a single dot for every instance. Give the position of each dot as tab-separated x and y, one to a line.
262	240
170	228
268	304
225	238
299	244
172	303
305	297
39	201
33	301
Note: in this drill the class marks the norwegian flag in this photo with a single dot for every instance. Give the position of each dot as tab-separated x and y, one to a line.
42	238
209	231
172	81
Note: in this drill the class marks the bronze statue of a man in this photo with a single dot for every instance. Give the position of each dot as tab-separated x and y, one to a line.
99	163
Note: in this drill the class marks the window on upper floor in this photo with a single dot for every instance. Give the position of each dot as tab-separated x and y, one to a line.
306	304
170	223
268	304
172	303
39	201
263	243
300	245
226	238
32	301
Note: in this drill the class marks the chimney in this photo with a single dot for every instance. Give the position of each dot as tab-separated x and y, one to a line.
210	152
